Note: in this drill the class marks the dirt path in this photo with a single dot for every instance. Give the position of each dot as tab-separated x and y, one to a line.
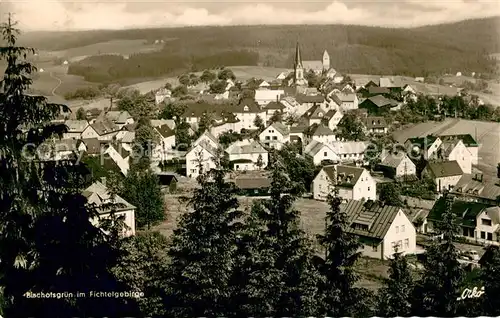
57	86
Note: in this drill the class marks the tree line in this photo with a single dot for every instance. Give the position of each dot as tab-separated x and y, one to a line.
115	68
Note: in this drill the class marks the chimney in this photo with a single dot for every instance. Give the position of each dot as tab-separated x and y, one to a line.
103	180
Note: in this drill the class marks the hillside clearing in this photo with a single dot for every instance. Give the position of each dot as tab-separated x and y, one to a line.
123	47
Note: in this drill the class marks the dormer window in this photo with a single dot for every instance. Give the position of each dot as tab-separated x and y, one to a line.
245	108
320	114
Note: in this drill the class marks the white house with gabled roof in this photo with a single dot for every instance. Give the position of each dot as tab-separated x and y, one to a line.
265	96
382	229
275	135
247	155
352	183
320	152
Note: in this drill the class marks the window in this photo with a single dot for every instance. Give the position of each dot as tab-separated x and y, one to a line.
486	222
374	248
402	228
275	137
407	243
397	229
368	188
400	243
489	236
237	166
325	154
245	108
267	137
483	235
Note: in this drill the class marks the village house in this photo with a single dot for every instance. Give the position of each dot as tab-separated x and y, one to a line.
75	128
332	118
455	150
126	139
102	129
309	101
445	174
375	125
230	124
283	75
320	153
383	230
160	122
98	194
379	104
265	96
166	143
200	158
474	187
469	142
424	146
350	151
397	165
349	101
162	94
273	107
246	111
61	149
275	135
94	147
119	155
120	118
479	222
321	133
314	115
247	155
352	183
299	134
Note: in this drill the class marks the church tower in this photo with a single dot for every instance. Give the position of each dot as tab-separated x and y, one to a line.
298	68
326	61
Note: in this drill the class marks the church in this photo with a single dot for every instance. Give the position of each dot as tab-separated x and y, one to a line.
318	67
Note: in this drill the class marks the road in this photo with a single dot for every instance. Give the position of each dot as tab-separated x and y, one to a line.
57	86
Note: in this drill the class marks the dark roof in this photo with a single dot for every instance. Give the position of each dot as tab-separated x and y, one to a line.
346	176
94	145
377	217
252	183
298	129
330	113
165	131
104	125
375	122
130	127
421	142
485	189
444	169
123	153
321	130
467	139
378	90
381	101
301	98
252	105
315	112
336	99
465	211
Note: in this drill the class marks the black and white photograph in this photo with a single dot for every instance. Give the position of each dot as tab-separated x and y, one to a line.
235	158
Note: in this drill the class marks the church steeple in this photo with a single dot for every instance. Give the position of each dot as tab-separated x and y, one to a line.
298	57
298	69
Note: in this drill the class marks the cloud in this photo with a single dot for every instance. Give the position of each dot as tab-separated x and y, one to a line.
93	14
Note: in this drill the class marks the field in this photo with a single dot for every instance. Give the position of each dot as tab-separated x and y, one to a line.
54	80
487	135
123	47
313	222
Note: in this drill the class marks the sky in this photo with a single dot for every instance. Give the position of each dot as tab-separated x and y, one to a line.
50	15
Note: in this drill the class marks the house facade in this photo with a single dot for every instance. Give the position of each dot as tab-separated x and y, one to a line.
455	150
382	230
275	135
445	174
75	129
398	165
470	143
247	155
320	152
200	159
349	151
352	183
99	195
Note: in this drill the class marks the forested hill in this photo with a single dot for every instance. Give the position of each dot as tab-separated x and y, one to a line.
356	49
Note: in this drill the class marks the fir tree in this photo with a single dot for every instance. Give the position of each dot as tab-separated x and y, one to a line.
394	299
298	295
340	296
256	282
436	294
203	250
48	242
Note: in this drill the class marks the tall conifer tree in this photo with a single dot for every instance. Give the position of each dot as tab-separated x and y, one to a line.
340	296
436	293
48	242
203	250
